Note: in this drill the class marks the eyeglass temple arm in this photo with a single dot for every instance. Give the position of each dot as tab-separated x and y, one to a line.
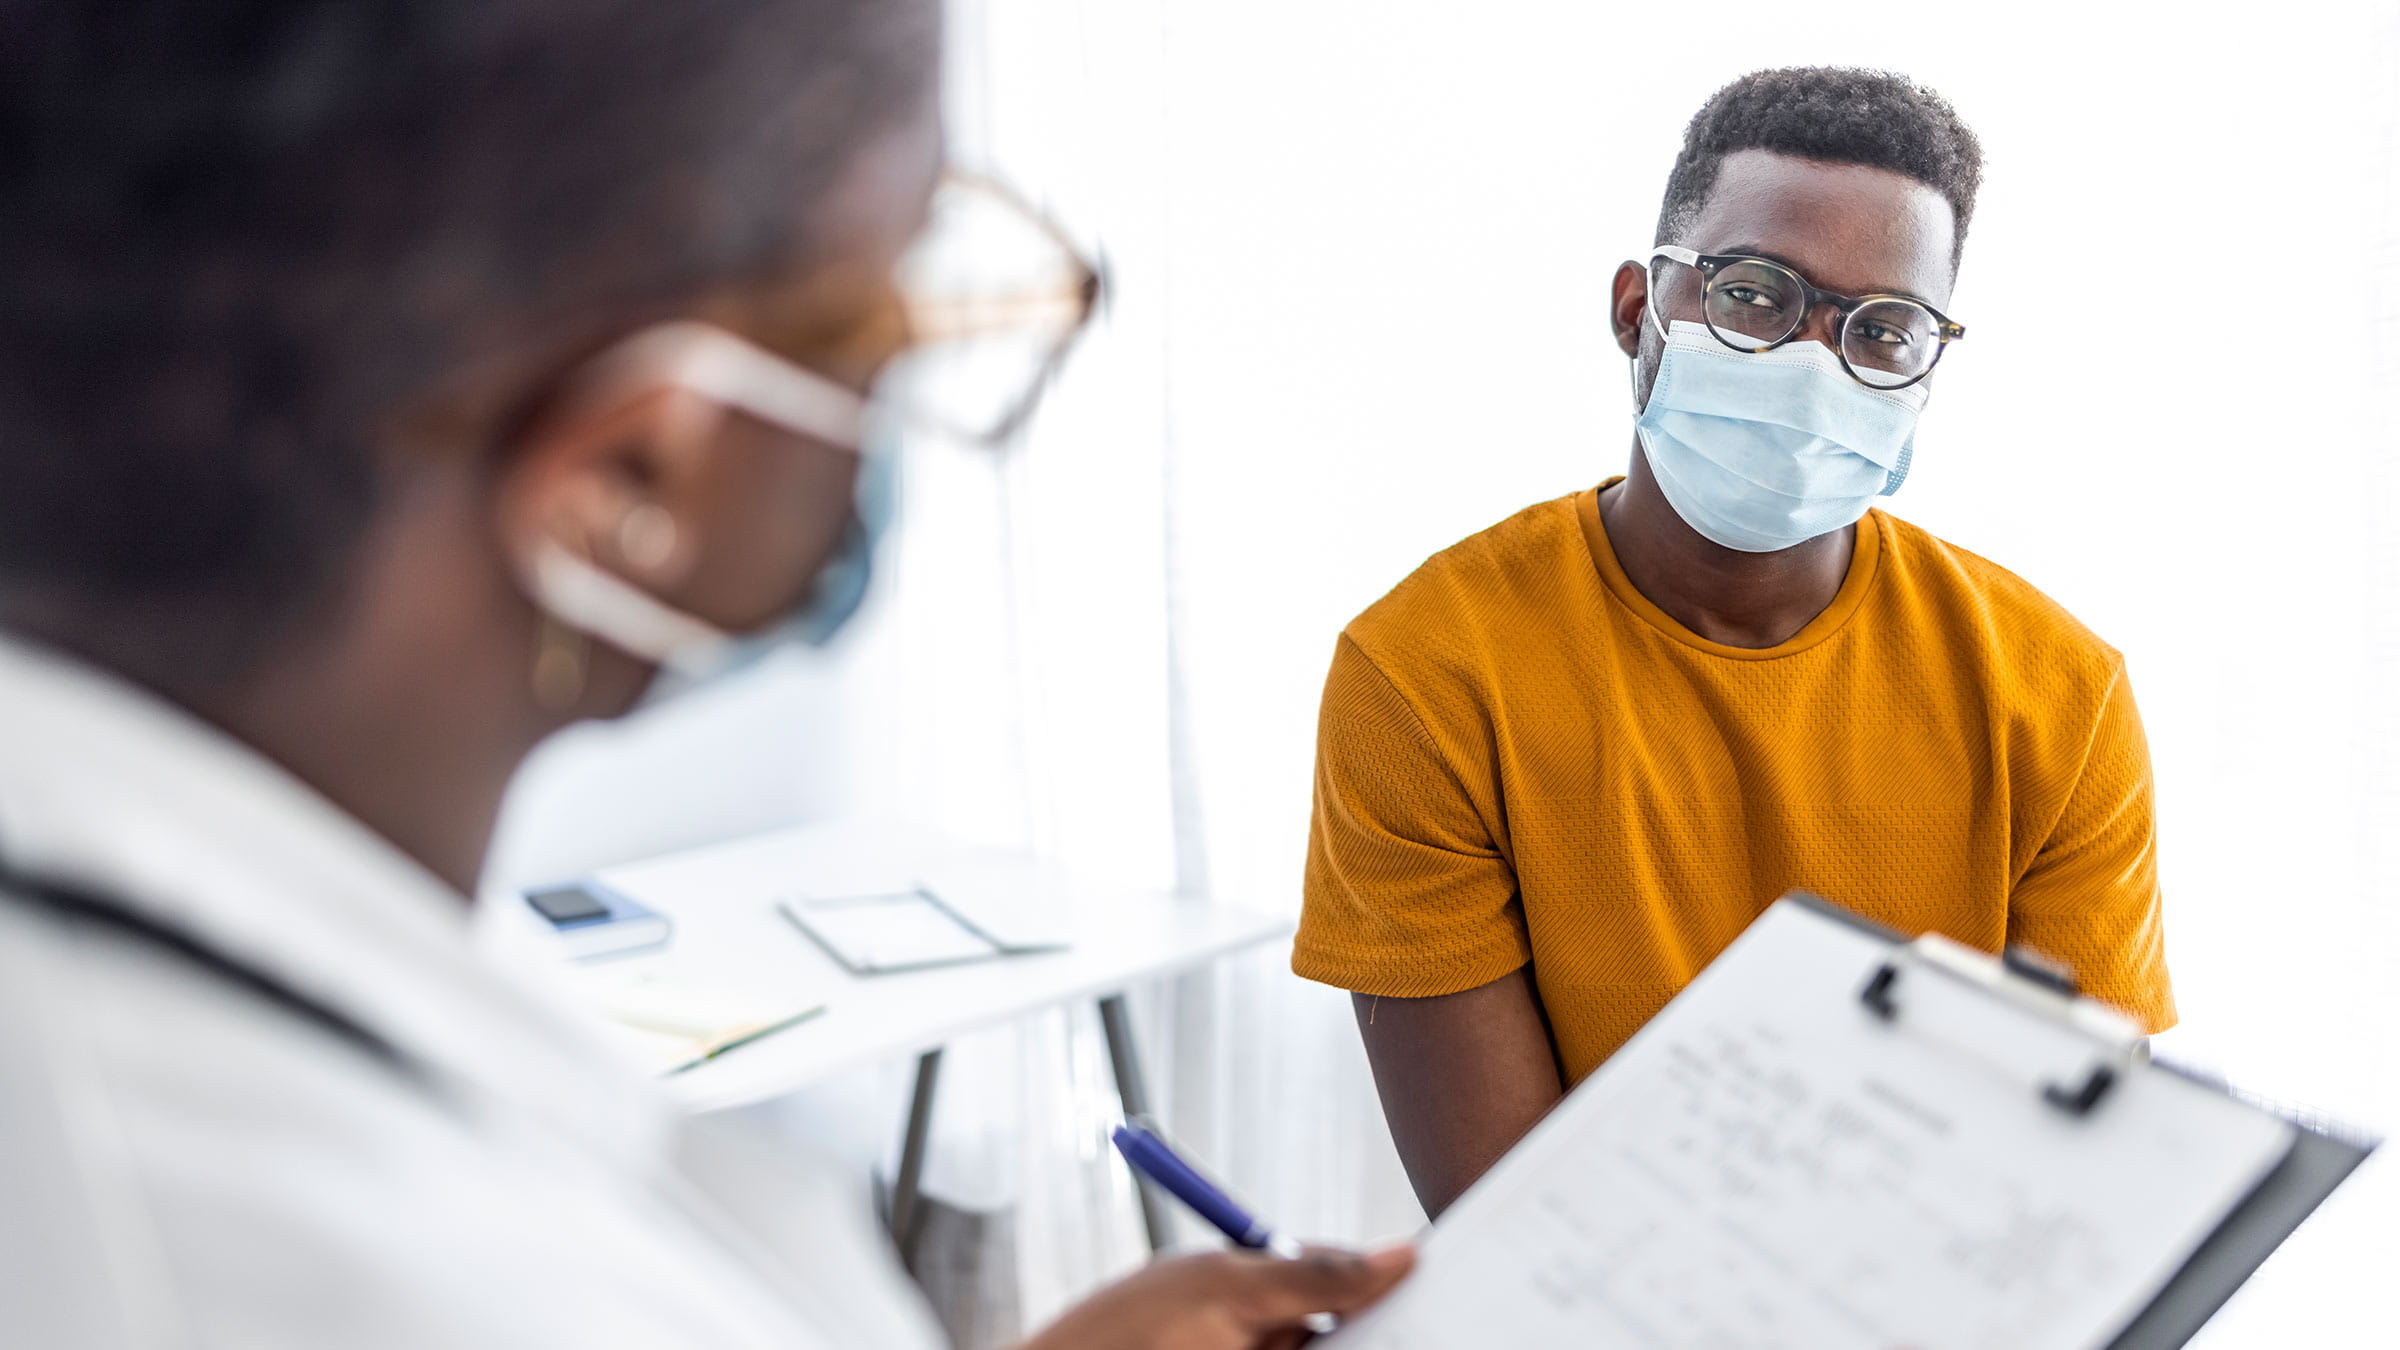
1672	253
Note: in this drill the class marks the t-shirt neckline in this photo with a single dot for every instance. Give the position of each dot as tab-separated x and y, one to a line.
1864	554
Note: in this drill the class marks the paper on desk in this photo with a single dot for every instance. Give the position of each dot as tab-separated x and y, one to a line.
673	1025
1767	1164
1021	903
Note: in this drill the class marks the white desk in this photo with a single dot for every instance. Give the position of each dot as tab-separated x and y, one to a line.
722	901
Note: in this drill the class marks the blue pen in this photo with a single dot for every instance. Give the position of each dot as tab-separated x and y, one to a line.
1149	1155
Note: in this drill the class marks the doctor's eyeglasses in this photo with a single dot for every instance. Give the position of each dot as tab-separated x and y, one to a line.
1756	304
997	294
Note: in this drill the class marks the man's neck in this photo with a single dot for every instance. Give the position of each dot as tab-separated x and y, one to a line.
1755	600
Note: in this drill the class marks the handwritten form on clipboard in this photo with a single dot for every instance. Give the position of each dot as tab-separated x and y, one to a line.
1769	1164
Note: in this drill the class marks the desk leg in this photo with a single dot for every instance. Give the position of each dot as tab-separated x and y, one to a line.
1135	1098
905	1216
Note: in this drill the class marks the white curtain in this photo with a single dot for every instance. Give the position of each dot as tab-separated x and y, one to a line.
1362	254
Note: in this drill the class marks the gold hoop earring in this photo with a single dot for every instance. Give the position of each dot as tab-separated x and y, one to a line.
560	656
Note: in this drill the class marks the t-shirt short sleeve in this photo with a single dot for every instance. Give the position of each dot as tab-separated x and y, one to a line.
2091	898
1405	893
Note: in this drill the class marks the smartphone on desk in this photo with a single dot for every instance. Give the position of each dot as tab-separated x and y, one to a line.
593	920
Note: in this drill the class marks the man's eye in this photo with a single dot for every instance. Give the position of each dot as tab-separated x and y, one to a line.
1882	333
1746	294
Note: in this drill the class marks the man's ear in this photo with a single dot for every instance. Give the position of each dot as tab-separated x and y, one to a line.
1629	307
611	481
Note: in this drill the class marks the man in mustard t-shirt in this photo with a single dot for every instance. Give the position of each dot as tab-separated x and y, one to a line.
1568	760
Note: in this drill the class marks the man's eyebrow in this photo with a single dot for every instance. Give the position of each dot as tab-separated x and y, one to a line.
1754	251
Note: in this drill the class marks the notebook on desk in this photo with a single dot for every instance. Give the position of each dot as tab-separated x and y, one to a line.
674	1026
960	905
890	932
1835	1138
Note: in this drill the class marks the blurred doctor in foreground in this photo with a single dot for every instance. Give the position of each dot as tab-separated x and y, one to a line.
384	387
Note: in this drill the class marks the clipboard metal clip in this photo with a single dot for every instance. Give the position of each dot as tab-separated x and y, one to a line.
2032	983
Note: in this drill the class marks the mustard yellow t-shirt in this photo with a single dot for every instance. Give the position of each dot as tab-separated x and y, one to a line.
1520	758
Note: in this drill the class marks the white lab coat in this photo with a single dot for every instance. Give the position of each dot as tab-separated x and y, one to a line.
184	1162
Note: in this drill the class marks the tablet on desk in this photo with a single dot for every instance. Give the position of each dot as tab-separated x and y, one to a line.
883	934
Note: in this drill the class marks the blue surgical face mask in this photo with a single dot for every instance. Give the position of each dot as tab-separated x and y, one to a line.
834	597
1763	451
690	652
841	584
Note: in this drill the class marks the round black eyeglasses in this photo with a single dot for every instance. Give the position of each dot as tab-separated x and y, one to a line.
1757	304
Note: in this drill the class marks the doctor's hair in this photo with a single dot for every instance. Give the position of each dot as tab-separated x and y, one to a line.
1831	113
243	241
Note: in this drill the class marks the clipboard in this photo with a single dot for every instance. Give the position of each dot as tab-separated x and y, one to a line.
1835	1136
2321	1159
2322	1154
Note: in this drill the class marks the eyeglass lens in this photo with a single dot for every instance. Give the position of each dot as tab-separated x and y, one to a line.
1888	343
995	299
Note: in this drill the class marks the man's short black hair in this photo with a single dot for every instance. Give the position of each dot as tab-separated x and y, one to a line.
237	235
1831	113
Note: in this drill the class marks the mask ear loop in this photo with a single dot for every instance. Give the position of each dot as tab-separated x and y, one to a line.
590	599
1650	312
733	375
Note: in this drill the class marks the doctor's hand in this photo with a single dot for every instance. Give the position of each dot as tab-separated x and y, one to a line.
1233	1300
